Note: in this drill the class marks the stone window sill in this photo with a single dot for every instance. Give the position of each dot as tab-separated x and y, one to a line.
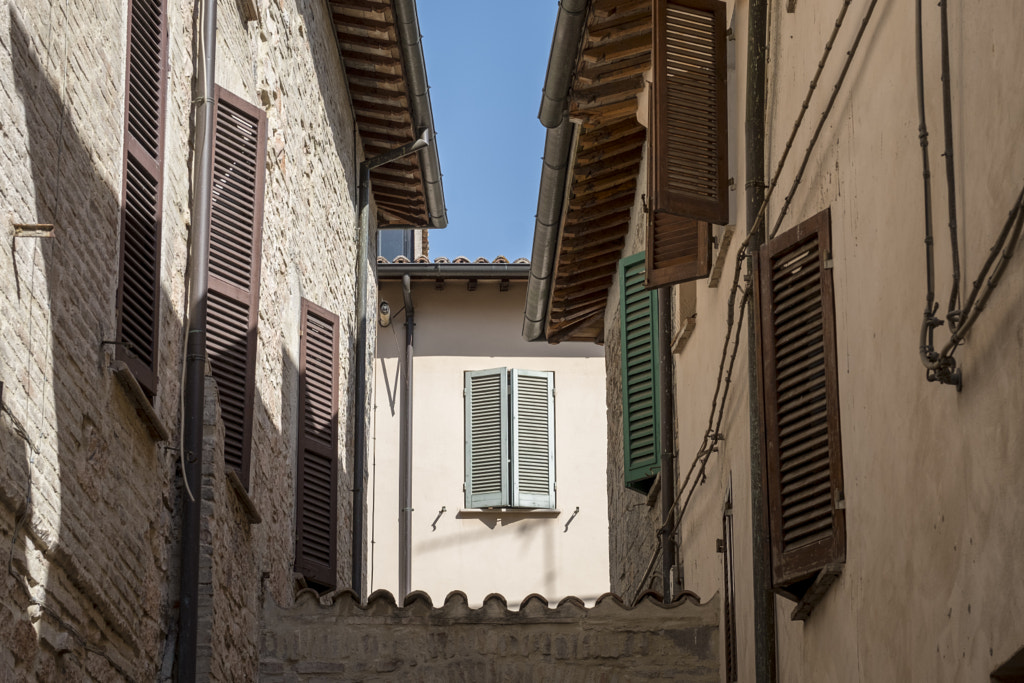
138	397
243	497
477	513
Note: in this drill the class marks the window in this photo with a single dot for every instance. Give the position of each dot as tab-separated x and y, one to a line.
688	165
510	438
138	291
236	218
641	406
316	484
799	385
394	243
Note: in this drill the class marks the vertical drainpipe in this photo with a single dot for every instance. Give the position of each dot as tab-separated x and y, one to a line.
667	435
405	452
195	345
359	422
765	664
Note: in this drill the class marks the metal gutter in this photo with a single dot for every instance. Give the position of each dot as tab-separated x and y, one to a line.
564	44
409	39
557	149
454	271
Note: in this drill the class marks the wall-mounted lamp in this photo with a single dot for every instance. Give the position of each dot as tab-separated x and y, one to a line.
384	314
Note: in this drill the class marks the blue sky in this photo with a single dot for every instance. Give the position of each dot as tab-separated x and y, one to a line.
485	64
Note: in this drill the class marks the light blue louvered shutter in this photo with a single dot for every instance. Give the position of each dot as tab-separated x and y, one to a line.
641	408
533	439
487	475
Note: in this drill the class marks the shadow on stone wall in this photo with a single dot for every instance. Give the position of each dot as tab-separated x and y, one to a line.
102	606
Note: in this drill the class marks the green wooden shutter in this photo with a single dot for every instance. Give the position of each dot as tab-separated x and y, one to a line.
799	382
236	219
641	410
533	439
316	519
487	456
688	151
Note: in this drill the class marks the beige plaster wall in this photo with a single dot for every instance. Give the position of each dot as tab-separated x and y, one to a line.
482	552
930	590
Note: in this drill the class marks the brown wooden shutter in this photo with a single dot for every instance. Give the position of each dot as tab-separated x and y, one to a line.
799	381
138	292
316	523
688	152
236	218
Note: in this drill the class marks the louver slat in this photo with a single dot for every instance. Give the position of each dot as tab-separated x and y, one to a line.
236	216
142	192
687	157
640	405
487	457
800	386
533	439
317	476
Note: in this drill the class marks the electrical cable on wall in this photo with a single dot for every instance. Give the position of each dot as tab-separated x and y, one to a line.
941	366
713	434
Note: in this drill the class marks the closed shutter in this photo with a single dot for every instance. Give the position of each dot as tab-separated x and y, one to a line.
533	439
640	401
236	217
688	154
801	402
316	532
487	457
138	292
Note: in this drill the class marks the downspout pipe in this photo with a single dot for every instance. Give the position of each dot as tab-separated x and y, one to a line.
553	115
668	443
765	660
363	275
195	343
411	45
405	451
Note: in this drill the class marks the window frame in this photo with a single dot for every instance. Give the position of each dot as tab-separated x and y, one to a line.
509	397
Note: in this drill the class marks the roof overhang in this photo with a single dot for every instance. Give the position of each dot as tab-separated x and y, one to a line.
380	48
599	189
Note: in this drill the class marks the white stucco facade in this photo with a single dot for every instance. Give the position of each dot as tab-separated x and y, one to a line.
555	553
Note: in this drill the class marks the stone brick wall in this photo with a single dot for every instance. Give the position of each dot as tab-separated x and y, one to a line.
608	642
632	518
89	497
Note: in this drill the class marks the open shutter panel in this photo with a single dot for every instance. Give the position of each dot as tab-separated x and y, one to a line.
640	404
317	478
688	154
236	218
141	211
800	385
487	475
533	439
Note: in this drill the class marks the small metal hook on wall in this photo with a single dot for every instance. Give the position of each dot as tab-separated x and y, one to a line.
440	512
574	513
